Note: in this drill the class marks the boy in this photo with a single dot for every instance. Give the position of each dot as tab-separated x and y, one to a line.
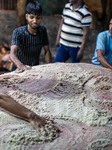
27	41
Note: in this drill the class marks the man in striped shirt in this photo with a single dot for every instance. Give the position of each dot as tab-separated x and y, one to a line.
73	31
27	41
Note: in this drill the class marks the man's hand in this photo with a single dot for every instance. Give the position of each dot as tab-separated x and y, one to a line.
80	55
104	62
37	121
41	122
48	57
57	43
21	68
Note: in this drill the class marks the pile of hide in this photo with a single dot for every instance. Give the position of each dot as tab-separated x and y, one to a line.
78	97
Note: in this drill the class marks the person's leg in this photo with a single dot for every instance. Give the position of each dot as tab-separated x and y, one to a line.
73	54
16	109
62	55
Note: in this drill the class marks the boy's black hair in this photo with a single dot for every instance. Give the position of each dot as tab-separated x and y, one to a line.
34	8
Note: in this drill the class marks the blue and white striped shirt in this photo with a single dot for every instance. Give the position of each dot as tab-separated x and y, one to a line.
29	45
74	21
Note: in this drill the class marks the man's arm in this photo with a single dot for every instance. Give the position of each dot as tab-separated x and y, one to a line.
48	55
102	60
13	57
59	32
16	109
21	67
84	40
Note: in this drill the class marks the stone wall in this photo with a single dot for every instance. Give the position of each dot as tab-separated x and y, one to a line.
7	24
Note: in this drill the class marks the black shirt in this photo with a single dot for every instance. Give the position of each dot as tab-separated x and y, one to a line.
29	45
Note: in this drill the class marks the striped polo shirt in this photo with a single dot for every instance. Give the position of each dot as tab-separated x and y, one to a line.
29	45
74	21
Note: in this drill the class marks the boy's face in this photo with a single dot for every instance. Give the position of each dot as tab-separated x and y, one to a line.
33	20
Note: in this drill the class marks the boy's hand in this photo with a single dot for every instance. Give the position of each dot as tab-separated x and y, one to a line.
22	68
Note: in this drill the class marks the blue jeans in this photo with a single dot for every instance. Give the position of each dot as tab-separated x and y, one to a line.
65	52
